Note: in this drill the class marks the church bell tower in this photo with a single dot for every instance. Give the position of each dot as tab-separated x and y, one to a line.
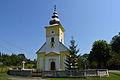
54	33
52	54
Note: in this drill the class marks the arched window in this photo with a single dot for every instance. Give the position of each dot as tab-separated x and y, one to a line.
52	39
52	42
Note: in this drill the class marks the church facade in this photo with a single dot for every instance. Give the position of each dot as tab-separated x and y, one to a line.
52	54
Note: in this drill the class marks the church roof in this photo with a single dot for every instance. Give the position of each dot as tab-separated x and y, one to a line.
42	49
59	25
62	47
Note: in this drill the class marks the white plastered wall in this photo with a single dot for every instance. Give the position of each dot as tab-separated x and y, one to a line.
41	63
48	64
56	45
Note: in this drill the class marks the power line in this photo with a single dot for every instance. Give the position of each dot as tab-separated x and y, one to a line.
7	49
13	45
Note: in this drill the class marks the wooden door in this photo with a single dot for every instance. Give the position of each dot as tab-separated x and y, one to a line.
52	65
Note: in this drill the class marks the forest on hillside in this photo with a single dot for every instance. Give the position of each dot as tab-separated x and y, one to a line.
15	61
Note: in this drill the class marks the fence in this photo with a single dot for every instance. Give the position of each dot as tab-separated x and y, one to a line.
83	73
36	74
76	74
20	72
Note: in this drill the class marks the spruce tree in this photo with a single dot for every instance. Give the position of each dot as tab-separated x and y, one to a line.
72	58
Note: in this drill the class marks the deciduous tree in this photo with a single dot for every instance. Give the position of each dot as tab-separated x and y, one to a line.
100	53
115	43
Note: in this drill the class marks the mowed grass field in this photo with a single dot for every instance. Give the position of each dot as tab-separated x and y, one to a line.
113	76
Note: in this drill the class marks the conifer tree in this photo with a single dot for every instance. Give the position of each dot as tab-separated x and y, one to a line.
72	58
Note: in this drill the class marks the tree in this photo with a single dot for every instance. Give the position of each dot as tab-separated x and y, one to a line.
15	60
100	53
115	43
6	59
22	57
114	62
83	61
72	58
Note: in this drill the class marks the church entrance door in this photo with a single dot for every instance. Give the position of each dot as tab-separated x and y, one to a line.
52	65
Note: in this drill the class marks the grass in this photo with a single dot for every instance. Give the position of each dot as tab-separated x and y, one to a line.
113	76
3	69
3	76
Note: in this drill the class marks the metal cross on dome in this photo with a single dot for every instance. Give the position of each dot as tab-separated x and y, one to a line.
54	7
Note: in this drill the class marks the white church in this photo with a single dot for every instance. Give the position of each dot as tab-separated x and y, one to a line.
52	54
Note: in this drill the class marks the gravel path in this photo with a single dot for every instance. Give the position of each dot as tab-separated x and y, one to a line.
13	78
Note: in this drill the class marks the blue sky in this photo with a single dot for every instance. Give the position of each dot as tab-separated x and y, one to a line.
22	23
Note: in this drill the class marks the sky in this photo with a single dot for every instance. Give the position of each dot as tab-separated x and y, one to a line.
22	23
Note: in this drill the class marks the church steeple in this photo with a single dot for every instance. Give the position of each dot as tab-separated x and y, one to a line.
55	19
52	54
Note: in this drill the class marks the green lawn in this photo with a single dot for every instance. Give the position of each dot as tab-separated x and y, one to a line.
3	76
113	76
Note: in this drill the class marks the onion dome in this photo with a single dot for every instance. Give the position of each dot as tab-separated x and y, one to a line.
55	19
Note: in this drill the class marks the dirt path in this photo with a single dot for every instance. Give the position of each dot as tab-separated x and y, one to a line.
13	78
